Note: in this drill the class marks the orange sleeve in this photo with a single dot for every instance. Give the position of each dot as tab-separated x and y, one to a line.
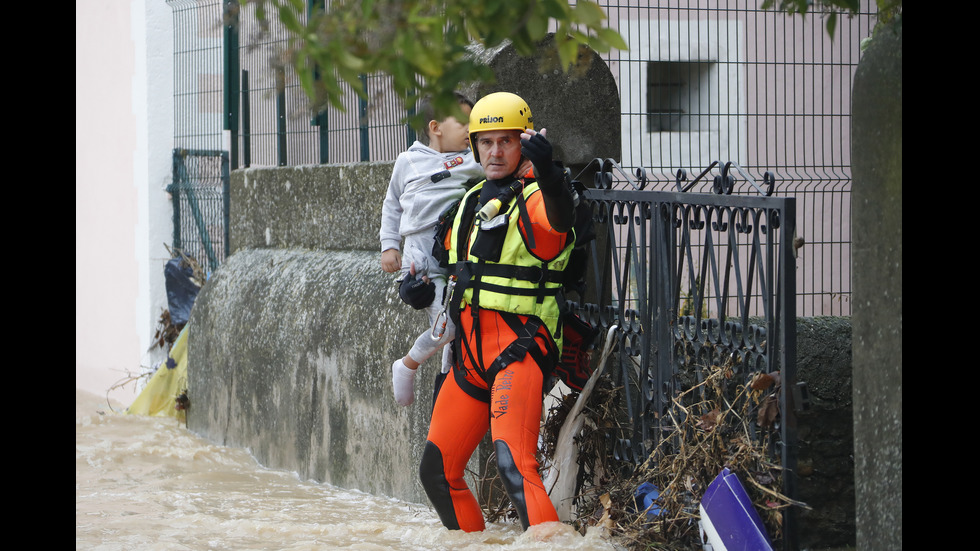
548	242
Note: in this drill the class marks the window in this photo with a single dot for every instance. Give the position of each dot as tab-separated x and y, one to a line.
674	95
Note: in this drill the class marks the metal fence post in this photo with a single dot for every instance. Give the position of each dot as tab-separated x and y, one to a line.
174	189
246	123
231	76
281	117
363	126
226	201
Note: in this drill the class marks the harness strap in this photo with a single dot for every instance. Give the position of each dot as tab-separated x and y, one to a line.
516	350
525	219
534	274
477	285
541	286
527	333
462	345
469	388
463	275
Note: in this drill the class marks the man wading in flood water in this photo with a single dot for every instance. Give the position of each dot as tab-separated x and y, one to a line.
508	266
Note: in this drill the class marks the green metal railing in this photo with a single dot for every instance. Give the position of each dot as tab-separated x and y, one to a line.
200	205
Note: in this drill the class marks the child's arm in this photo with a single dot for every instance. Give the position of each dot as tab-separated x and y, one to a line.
391	213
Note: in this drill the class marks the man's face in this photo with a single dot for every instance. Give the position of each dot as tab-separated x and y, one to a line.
500	152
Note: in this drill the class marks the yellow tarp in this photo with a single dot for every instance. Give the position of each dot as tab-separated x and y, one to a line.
158	397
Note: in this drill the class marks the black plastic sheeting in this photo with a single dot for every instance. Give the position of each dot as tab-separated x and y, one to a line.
181	290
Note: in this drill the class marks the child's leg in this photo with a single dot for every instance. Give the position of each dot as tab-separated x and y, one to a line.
425	346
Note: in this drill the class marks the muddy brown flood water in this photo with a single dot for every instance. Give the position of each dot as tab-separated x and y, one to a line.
149	484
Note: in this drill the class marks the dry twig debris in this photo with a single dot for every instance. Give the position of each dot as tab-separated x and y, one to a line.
712	424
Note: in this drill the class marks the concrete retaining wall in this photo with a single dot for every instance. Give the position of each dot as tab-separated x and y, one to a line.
293	338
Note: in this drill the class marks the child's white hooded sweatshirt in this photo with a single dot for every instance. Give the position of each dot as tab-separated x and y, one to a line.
423	185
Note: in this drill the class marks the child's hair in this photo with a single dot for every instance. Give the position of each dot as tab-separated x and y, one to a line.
427	113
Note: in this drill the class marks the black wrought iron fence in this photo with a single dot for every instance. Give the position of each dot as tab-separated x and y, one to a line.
699	287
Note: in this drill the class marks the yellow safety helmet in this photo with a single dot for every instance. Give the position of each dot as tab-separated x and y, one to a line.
498	111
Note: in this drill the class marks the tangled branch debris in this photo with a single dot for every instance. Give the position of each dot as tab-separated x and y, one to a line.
492	495
711	425
167	332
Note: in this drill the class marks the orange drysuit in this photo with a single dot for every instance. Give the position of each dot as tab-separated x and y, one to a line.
502	359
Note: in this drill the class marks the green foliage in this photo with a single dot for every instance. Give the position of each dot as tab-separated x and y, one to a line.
424	45
887	9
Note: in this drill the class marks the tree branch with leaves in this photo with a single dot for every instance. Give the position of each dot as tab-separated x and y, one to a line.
425	46
887	9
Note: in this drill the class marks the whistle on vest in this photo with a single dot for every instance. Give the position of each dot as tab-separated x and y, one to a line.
492	208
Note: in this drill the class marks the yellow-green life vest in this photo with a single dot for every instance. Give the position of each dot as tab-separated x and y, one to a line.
517	281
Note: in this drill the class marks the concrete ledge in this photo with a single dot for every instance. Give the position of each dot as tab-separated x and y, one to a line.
313	207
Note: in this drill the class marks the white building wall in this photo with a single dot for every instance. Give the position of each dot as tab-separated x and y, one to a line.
123	140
